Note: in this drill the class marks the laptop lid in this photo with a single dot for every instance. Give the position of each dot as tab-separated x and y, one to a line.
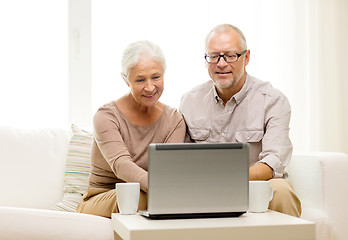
198	179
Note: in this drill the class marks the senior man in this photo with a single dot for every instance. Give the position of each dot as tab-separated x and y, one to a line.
236	107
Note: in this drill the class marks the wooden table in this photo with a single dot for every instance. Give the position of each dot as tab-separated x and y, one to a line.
250	226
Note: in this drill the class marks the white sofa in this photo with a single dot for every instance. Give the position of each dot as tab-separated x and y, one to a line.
320	180
33	179
32	172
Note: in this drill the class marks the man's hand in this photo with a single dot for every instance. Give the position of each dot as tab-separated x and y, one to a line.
260	171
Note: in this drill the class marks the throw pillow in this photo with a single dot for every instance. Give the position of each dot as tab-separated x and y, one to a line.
77	170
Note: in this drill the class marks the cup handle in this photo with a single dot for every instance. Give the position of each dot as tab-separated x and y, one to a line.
271	197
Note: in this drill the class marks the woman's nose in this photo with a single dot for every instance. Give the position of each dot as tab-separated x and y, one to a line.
149	86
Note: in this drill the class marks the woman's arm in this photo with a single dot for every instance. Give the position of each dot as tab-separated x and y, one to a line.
114	150
178	133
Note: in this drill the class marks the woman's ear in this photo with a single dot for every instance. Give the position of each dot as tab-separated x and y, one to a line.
125	79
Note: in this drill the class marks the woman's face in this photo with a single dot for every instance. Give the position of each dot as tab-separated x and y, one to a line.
146	81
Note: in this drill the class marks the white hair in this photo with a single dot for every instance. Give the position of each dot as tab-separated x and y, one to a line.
224	28
133	52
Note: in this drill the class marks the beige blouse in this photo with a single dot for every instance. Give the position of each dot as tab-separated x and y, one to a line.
119	149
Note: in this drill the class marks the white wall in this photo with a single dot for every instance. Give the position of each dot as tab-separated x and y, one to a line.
80	67
33	63
298	46
54	75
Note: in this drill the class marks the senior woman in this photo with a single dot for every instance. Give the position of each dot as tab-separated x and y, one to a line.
124	128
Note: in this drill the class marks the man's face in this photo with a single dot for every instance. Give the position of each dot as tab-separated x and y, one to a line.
227	75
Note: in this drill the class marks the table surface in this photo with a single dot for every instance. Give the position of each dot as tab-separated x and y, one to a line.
250	226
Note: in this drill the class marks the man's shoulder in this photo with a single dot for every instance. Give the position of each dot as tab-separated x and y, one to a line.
193	99
199	90
265	88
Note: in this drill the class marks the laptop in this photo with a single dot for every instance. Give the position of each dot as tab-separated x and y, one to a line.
197	180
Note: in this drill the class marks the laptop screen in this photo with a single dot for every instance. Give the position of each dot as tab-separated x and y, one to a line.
191	178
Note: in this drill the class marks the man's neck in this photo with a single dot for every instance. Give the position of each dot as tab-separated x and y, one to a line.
227	93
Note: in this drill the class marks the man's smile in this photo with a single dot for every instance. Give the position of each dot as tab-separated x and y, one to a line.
223	73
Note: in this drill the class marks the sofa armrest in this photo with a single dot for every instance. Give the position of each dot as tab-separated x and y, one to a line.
320	180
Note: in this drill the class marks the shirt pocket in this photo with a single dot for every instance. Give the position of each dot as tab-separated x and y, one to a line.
199	134
252	136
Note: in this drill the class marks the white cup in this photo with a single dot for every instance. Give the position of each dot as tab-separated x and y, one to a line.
260	194
127	196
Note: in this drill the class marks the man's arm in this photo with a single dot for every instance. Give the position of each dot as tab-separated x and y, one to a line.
260	171
276	145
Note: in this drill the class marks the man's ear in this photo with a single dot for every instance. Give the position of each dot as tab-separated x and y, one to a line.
206	64
125	79
247	57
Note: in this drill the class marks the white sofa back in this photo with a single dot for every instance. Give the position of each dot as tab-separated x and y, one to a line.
305	175
320	180
32	164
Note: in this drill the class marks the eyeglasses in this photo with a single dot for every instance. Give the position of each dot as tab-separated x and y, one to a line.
230	57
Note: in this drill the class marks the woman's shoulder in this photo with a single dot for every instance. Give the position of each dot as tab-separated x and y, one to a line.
107	108
171	113
108	111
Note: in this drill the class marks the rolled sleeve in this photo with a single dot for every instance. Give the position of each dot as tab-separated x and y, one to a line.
276	145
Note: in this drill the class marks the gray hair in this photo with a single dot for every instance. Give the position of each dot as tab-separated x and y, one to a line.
133	52
224	28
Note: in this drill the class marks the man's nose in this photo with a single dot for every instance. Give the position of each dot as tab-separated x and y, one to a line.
221	62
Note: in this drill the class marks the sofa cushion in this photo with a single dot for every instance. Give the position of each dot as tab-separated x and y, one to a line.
323	223
305	176
32	166
77	170
39	224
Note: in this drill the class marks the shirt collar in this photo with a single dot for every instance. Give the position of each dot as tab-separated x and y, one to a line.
216	96
239	96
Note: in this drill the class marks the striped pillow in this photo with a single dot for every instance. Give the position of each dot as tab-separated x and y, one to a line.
77	170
